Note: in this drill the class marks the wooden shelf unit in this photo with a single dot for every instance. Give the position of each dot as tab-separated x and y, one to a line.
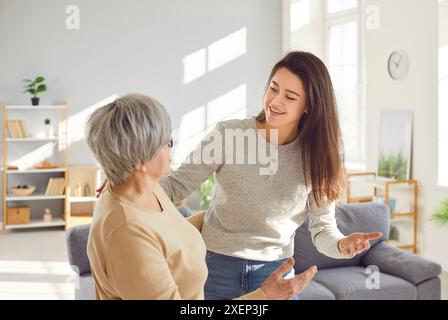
60	140
387	184
80	208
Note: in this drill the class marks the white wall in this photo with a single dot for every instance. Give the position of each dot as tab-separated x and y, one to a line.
138	46
440	234
308	32
410	25
443	92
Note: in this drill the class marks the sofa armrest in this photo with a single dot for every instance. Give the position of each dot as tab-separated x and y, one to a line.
77	238
401	263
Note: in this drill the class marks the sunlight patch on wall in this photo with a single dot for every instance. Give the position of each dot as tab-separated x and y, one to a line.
216	55
194	65
230	105
189	134
77	122
196	124
227	49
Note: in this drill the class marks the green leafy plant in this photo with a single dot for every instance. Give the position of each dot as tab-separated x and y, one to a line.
441	214
205	191
35	86
393	166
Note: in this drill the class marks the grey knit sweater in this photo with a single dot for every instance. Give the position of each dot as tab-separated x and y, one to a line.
253	215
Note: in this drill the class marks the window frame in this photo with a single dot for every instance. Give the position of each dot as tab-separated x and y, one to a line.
338	18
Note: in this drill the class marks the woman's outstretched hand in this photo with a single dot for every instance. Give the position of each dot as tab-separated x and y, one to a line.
277	288
356	243
100	189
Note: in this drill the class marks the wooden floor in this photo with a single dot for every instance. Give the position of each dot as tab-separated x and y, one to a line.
34	265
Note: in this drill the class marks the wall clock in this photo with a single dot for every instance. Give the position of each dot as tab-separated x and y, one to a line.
398	65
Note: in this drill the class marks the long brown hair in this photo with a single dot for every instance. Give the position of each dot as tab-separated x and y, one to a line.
319	131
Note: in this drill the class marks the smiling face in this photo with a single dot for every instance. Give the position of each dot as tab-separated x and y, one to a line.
300	81
284	100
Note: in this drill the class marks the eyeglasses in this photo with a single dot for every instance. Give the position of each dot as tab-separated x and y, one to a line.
170	143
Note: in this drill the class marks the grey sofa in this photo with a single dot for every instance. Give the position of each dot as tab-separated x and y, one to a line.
383	272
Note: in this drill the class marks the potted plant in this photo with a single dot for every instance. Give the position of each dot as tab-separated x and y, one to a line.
205	191
34	87
441	213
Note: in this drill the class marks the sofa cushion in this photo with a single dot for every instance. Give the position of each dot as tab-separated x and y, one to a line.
350	283
185	211
77	248
401	263
360	217
315	291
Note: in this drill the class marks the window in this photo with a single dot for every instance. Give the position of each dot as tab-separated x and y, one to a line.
443	93
334	6
343	58
443	115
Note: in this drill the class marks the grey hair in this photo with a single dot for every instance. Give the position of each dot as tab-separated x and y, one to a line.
127	132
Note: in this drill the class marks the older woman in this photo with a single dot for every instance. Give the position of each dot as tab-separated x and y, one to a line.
140	247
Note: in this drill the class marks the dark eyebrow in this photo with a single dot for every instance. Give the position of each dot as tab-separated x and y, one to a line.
290	91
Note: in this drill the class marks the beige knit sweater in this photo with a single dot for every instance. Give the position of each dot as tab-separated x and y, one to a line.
139	254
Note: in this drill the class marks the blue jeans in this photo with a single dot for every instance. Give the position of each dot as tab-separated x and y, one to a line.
231	277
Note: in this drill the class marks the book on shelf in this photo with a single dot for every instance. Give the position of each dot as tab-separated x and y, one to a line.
24	129
55	187
21	131
17	129
12	131
49	185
